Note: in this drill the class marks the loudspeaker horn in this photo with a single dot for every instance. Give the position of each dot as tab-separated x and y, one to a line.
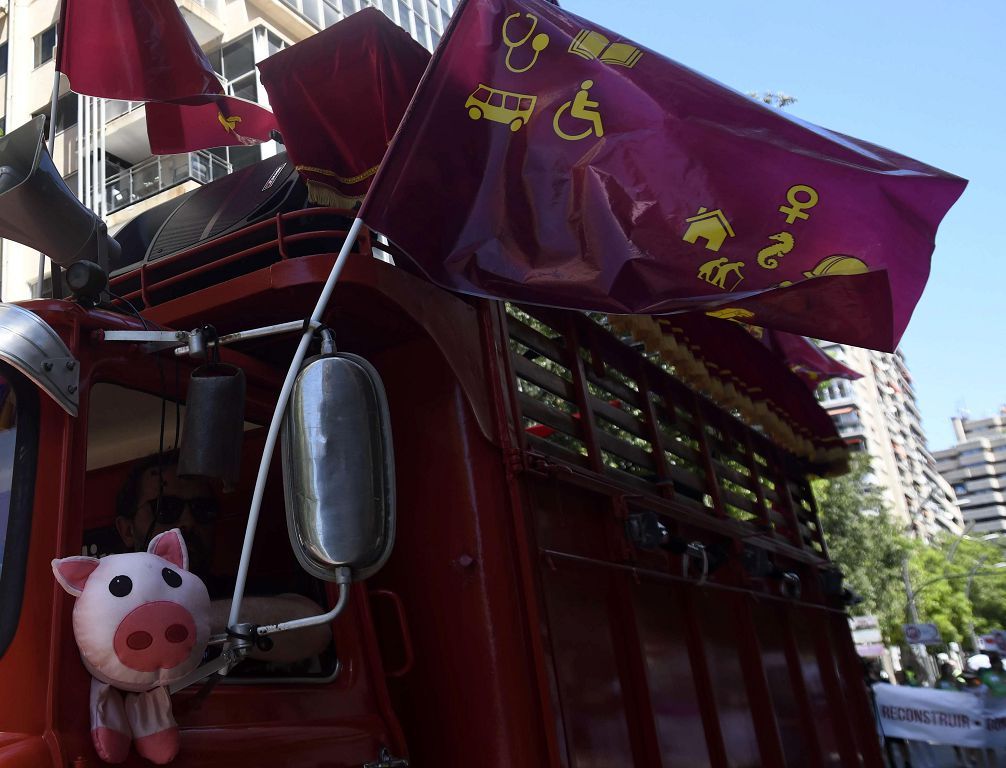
37	209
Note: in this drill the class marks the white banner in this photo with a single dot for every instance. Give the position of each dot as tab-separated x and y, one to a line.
941	717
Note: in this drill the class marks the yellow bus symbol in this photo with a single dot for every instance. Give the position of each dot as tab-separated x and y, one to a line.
513	109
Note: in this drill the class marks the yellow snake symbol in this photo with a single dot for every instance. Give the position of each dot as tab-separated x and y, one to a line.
767	256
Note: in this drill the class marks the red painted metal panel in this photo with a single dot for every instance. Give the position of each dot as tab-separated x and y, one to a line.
788	714
817	695
591	696
729	690
671	679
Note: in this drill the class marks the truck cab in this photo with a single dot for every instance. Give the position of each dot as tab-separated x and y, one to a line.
603	557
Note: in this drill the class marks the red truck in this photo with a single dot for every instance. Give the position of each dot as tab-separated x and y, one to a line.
594	565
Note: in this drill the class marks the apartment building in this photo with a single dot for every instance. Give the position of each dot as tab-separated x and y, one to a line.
101	145
878	415
976	469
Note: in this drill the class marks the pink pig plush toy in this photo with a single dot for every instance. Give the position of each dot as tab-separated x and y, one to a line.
141	622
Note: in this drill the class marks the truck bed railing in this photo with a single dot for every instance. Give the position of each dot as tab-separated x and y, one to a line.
592	402
308	232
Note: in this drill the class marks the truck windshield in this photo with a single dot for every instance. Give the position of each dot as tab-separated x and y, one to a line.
18	450
8	439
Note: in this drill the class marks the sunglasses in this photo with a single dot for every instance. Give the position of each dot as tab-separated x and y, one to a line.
167	510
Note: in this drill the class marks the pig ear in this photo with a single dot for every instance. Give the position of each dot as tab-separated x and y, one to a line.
171	546
72	572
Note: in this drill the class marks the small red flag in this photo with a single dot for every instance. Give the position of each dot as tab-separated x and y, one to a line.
226	121
136	50
339	96
807	360
547	160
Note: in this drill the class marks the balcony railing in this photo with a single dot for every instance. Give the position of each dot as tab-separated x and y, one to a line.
148	178
115	108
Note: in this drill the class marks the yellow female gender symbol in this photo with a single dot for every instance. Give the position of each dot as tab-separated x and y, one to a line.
795	209
539	44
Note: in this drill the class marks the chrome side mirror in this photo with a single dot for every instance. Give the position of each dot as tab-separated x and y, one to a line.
338	468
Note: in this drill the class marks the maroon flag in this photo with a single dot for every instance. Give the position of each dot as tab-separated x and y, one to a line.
547	160
226	121
807	360
339	96
138	50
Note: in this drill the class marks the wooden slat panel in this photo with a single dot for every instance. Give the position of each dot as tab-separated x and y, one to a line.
735	499
616	388
540	343
620	418
624	450
545	379
541	445
537	411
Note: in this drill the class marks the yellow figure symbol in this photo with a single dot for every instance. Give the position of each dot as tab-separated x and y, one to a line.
767	257
513	109
582	108
715	272
795	209
538	44
229	123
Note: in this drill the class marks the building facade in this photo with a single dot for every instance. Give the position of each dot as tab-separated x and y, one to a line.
878	415
101	145
976	469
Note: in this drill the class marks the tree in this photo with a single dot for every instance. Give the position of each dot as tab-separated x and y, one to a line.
865	543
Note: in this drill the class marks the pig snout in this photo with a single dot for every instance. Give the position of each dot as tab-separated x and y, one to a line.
158	635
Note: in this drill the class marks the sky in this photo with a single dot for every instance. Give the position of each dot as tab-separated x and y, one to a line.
925	78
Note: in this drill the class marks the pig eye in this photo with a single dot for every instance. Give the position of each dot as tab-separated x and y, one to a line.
120	586
171	578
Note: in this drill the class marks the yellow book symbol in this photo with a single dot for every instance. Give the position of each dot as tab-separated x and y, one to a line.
593	45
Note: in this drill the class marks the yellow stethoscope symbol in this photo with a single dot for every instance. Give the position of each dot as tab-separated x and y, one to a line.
539	44
582	108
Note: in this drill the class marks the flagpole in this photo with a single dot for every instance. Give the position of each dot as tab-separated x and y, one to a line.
52	133
279	412
51	146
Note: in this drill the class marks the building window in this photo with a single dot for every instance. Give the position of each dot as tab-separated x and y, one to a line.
3	59
236	64
322	13
66	113
45	44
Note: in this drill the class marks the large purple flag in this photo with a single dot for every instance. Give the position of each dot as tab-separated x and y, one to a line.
547	160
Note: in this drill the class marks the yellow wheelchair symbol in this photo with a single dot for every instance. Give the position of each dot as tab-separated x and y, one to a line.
581	108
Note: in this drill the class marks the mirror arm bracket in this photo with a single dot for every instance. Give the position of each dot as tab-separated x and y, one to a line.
343	578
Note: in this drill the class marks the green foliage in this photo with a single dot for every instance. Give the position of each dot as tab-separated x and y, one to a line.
866	544
955	579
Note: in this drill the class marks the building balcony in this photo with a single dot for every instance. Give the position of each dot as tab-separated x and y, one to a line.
159	173
205	19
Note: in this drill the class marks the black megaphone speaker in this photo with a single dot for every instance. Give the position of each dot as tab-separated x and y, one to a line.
37	209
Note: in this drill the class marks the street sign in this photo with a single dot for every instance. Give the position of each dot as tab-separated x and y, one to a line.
870	650
922	634
993	641
863	622
869	635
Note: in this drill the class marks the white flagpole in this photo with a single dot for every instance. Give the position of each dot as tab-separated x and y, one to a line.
51	145
277	417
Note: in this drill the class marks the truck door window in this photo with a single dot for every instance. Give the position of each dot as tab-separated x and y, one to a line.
122	512
18	452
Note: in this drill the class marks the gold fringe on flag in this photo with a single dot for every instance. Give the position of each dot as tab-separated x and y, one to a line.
730	393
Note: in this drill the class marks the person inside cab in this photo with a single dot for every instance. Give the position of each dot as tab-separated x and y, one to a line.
154	499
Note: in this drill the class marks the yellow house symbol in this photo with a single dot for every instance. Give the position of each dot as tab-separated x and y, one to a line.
712	226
